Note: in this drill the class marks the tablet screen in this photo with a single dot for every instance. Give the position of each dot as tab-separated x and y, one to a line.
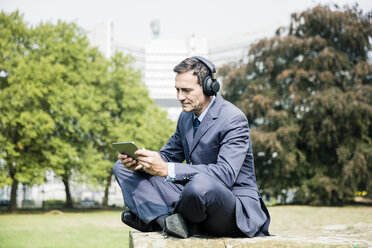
127	148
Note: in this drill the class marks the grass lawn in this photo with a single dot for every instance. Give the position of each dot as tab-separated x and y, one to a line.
104	228
84	229
306	220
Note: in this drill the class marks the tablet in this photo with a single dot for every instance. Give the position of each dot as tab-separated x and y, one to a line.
127	148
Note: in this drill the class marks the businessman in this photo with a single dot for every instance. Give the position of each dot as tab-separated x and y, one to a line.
203	179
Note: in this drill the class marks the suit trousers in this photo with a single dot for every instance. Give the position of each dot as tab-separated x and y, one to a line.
202	200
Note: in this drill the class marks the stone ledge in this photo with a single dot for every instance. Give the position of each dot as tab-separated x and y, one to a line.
154	239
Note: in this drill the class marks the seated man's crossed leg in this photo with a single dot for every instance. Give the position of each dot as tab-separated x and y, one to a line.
155	204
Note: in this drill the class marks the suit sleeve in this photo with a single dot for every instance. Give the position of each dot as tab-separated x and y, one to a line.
173	150
231	155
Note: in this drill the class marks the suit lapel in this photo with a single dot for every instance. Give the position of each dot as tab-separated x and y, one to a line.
189	132
208	121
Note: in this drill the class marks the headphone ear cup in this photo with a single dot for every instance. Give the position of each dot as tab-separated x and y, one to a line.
215	86
207	89
210	86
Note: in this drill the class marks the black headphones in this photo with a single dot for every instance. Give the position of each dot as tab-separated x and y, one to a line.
210	84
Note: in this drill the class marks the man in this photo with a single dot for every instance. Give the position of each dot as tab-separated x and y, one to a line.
215	191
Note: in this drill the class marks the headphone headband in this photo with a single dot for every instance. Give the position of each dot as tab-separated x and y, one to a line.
209	64
210	85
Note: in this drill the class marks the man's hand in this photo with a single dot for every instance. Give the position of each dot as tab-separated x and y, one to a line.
152	163
129	162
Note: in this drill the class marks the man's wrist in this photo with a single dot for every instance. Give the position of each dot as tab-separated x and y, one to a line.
171	175
165	171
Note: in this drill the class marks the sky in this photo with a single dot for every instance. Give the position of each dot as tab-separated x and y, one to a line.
178	19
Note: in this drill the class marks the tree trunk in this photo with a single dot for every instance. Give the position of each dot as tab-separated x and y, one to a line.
108	184
65	181
13	194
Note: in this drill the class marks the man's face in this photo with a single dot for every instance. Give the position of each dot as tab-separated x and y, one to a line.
190	93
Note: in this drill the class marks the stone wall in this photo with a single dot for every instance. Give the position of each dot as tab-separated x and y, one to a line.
153	239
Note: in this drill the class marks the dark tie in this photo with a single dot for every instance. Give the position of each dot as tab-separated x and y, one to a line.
196	125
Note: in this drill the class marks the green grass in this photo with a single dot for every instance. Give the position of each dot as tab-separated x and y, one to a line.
304	220
105	229
91	229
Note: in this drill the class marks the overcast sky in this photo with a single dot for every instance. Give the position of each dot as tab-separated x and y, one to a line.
205	18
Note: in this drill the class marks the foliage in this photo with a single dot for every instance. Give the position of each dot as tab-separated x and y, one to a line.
62	104
54	204
308	95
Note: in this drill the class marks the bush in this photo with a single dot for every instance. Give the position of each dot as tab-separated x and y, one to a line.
54	204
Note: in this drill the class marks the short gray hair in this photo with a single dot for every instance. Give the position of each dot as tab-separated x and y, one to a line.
193	64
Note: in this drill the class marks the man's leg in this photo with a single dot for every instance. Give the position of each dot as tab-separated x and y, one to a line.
211	204
146	196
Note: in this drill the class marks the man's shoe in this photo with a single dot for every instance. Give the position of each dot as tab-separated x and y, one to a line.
132	220
177	226
194	229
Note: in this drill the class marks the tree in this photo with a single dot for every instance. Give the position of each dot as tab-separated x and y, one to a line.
71	71
308	95
127	114
62	105
41	124
23	125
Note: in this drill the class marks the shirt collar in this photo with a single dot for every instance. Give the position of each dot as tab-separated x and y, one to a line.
202	115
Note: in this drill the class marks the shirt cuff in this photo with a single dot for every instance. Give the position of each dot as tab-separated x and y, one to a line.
171	173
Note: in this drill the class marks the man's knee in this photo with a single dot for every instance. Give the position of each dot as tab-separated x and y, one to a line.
121	173
198	197
200	187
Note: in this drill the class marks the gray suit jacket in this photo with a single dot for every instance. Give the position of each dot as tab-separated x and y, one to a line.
221	149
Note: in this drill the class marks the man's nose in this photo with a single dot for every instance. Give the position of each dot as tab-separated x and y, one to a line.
180	96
